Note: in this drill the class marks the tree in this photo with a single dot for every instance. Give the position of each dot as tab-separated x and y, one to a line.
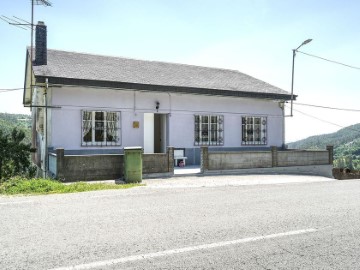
14	154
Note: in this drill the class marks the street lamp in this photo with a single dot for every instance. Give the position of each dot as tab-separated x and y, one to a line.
292	77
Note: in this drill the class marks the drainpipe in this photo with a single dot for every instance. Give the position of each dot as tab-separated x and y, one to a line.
283	113
135	102
46	128
169	104
282	107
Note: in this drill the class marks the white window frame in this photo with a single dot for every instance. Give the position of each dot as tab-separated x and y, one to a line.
212	126
254	130
93	121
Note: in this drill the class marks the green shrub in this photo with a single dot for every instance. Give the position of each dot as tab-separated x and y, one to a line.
14	155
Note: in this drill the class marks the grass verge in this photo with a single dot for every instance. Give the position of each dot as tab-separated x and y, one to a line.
38	186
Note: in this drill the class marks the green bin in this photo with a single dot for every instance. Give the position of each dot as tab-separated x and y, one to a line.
133	164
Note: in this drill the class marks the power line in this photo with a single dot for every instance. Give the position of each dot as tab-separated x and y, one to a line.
328	60
10	89
327	107
325	121
296	103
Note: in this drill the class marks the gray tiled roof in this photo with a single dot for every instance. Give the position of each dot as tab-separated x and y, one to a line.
90	67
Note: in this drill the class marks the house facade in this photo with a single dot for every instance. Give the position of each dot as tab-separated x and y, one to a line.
94	105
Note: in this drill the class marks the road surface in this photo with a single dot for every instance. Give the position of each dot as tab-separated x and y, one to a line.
219	223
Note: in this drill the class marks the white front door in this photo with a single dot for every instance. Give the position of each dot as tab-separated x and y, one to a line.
149	133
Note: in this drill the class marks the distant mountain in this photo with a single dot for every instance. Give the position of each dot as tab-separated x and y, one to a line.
20	121
346	144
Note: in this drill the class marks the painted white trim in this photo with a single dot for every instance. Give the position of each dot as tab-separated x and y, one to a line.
9	203
142	257
149	133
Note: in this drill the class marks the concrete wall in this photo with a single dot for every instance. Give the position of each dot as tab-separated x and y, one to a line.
86	167
303	158
65	128
288	161
239	160
70	168
158	163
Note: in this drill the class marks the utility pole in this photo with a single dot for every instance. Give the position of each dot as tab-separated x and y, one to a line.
20	23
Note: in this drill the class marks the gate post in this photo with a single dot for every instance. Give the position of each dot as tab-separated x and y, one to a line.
274	156
204	159
170	152
330	149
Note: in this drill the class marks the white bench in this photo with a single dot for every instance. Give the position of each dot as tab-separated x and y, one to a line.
179	155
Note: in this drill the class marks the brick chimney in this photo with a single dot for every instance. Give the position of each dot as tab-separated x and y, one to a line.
40	44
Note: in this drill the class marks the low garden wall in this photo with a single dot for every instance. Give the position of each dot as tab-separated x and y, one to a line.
302	158
282	161
239	160
158	164
70	168
111	166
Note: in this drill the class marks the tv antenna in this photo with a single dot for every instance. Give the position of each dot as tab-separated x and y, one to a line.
23	24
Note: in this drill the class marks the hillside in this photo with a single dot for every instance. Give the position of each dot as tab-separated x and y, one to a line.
20	121
346	144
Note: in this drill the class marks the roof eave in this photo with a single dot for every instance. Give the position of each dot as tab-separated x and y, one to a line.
161	88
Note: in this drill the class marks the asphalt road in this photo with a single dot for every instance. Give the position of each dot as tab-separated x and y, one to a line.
311	223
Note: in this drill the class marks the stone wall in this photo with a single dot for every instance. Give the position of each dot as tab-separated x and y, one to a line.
345	174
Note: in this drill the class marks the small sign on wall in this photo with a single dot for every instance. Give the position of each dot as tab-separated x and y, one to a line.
136	124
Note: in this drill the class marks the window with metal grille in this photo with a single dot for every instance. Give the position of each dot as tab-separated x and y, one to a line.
254	130
209	130
100	128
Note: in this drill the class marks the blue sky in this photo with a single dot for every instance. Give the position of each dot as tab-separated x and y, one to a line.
255	37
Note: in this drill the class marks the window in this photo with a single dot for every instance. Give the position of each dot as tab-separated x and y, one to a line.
100	128
209	130
254	130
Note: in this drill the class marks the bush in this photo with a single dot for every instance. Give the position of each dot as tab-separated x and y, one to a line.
14	155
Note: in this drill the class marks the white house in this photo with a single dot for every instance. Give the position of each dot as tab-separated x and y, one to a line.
94	104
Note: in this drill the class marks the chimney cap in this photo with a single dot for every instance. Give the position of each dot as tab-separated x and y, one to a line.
41	23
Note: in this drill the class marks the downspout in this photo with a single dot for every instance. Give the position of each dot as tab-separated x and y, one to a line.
282	106
169	104
134	102
46	128
31	51
168	122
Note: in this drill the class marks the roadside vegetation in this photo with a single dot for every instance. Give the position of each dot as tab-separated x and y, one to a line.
346	144
38	186
16	170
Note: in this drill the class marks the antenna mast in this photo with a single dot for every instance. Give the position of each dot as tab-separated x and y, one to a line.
34	2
